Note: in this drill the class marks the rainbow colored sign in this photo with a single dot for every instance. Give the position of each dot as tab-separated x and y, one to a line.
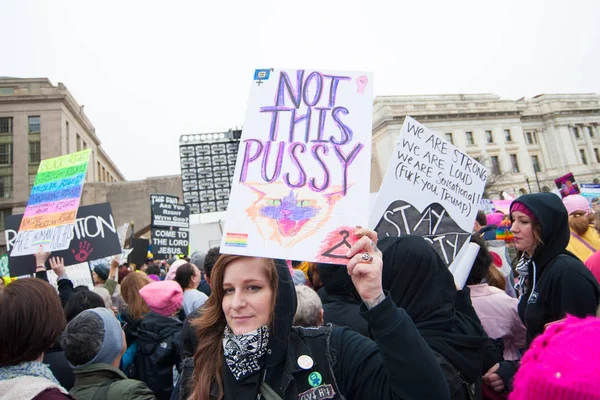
52	207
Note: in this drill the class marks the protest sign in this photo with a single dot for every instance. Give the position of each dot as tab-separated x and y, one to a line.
502	205
167	212
79	274
497	250
93	236
431	189
302	171
567	185
140	251
590	191
170	226
4	271
487	206
52	206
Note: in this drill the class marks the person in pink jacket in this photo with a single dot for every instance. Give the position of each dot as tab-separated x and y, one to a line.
496	310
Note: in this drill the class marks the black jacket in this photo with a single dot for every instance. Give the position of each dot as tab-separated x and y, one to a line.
62	371
350	364
420	283
562	284
341	303
204	287
131	329
488	232
189	340
159	338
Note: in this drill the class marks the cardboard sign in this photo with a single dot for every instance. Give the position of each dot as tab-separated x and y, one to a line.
487	206
93	236
567	185
497	250
79	274
4	271
303	166
170	226
431	189
52	207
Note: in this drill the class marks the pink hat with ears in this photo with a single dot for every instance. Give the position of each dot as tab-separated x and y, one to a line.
494	218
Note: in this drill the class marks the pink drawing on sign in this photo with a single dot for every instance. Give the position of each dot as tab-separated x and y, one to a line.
362	82
85	249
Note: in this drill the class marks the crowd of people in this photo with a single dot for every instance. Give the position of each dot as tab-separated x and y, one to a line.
391	324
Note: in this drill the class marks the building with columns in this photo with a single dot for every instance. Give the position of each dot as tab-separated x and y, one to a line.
525	144
38	121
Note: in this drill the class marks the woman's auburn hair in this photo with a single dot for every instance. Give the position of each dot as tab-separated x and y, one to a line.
130	291
580	223
210	328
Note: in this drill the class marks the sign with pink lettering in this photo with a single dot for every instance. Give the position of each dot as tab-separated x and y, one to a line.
303	168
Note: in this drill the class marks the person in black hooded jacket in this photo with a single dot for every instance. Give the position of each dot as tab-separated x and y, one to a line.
342	306
305	363
419	282
553	282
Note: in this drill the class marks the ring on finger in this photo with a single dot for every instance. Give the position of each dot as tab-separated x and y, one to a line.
366	256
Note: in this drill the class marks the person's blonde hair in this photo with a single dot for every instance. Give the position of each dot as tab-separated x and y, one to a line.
130	291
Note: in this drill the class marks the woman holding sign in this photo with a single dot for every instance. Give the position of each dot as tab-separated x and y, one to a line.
247	346
553	282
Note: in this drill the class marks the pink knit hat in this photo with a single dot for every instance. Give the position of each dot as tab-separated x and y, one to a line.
164	298
173	269
576	202
518	206
494	218
562	363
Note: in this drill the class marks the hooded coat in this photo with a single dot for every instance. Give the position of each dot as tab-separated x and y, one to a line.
558	282
419	282
342	307
349	364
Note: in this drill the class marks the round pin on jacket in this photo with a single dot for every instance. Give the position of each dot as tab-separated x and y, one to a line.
305	362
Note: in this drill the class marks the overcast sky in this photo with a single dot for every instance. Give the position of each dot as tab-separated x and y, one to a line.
149	71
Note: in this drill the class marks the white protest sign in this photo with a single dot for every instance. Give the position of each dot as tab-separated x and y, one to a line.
122	233
431	189
303	169
497	250
79	274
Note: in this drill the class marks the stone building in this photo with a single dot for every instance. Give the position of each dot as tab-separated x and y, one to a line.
523	143
38	121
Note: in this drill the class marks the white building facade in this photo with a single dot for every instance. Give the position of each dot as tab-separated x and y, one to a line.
525	144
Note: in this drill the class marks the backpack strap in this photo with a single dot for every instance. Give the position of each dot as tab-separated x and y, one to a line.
576	236
102	392
267	392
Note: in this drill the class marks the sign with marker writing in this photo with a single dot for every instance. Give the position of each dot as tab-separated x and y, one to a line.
93	236
79	274
431	189
170	226
52	206
303	166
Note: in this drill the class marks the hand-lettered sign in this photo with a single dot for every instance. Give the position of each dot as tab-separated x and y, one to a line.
52	206
93	236
302	171
79	274
431	189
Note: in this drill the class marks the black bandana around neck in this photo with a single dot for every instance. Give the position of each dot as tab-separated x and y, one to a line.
242	352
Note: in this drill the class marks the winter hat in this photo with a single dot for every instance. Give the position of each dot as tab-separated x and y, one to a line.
576	202
503	231
112	343
494	218
517	206
562	363
197	259
173	269
102	271
164	297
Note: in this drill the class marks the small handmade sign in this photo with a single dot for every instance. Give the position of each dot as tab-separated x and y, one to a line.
431	189
302	171
52	207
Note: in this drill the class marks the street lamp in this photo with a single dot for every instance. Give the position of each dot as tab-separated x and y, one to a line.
528	185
